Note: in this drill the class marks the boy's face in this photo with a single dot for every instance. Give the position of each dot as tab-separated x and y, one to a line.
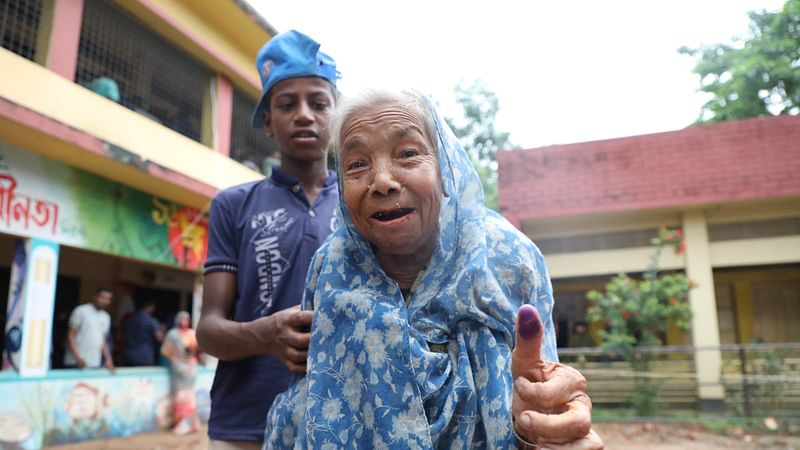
299	117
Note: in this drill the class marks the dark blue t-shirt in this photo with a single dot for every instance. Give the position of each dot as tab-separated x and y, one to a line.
266	233
140	344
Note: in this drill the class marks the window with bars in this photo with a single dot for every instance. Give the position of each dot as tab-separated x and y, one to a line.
593	242
754	230
152	76
250	146
19	25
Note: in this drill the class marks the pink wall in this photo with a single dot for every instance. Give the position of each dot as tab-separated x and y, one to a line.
224	114
64	38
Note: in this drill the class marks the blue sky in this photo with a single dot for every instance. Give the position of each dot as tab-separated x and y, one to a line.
564	71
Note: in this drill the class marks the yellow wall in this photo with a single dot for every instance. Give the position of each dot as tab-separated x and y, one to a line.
607	262
752	252
599	223
31	86
728	254
731	253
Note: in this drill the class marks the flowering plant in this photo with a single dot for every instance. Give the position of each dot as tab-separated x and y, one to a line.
637	312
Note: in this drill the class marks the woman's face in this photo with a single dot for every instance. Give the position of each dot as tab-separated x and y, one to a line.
183	322
390	179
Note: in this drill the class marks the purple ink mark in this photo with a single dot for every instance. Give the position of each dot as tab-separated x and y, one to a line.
529	324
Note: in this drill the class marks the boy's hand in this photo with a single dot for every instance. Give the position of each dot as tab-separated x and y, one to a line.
287	334
550	405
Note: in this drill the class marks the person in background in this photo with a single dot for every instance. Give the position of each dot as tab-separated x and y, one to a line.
142	336
580	336
89	325
262	236
181	350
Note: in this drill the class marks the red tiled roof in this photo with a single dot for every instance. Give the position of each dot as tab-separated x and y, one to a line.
731	161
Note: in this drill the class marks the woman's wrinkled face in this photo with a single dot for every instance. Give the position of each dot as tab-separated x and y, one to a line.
390	179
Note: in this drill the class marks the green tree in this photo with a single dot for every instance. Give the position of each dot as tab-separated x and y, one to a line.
757	76
478	135
638	312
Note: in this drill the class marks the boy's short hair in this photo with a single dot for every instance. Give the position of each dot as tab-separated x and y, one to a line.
289	55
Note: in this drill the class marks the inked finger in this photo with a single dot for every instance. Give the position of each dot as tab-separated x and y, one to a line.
527	354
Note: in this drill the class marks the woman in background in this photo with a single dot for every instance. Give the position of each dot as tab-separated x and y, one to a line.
180	348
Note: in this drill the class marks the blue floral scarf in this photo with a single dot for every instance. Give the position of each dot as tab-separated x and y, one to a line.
431	373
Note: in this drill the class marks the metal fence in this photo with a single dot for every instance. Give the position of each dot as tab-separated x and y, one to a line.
19	26
153	77
249	145
758	379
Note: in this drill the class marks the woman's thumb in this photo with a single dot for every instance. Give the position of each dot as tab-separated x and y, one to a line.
527	352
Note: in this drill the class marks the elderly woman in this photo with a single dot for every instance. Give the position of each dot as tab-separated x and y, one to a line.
414	303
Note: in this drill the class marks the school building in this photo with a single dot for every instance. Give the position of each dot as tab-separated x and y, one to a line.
119	122
732	188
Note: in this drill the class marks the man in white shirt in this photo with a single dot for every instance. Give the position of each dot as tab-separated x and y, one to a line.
87	342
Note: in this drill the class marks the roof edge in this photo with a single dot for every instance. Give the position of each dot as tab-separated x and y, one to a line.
257	18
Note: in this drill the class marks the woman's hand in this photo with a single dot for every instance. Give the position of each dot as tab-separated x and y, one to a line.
550	404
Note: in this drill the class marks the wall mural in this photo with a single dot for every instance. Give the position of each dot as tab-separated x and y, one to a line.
43	198
37	413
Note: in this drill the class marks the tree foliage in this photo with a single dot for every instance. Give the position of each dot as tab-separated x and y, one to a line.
758	77
478	134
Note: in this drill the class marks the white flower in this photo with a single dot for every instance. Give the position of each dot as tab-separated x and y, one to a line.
507	277
353	385
323	325
482	377
287	435
369	415
394	333
340	349
360	330
375	347
332	409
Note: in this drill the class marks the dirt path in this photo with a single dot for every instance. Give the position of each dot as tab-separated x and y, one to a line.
616	437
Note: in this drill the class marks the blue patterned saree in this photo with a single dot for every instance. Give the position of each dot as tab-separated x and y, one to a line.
430	372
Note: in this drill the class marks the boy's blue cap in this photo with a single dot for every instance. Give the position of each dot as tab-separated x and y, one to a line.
289	55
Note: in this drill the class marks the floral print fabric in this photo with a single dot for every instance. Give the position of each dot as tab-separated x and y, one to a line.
433	372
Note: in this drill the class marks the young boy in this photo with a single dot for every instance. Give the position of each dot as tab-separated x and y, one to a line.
262	237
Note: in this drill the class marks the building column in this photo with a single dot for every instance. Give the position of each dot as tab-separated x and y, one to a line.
62	52
702	300
218	115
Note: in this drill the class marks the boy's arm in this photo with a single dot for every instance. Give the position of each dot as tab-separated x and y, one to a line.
283	334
